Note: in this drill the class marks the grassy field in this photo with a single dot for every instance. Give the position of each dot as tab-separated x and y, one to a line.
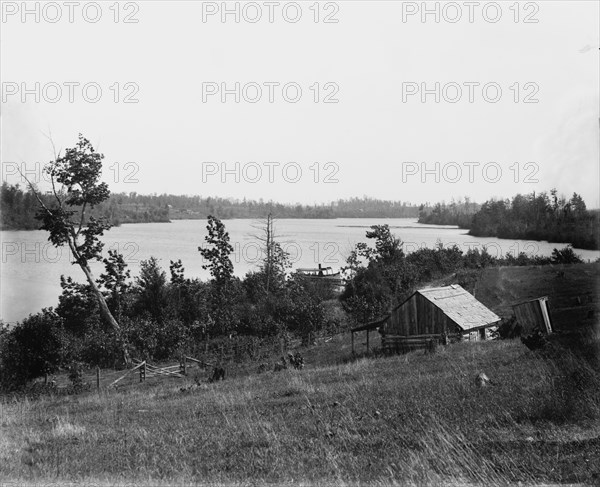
400	420
409	419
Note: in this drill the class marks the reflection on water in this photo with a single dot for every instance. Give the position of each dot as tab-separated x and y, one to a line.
31	266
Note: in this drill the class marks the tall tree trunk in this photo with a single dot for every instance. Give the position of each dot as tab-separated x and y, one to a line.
104	310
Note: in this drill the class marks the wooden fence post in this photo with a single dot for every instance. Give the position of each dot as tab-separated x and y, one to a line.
143	372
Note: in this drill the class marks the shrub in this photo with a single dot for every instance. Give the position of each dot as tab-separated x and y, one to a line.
152	340
565	256
34	347
99	347
509	328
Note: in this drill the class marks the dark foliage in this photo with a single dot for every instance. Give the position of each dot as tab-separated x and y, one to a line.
534	341
509	328
565	256
540	216
458	213
34	347
19	208
381	276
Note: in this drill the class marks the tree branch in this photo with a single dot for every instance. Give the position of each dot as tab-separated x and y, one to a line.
49	137
34	191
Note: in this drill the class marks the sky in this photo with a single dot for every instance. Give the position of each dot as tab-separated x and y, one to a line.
479	101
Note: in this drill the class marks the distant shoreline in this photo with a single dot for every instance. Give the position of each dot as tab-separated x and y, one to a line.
393	227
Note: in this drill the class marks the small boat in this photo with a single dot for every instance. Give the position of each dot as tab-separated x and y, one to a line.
321	271
327	274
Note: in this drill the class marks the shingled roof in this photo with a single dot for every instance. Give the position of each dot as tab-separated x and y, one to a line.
460	306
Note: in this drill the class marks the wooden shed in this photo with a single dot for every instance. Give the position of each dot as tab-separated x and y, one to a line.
433	315
369	327
533	315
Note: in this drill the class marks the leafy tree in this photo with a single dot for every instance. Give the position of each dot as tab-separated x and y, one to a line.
153	340
305	311
177	272
77	306
388	248
367	296
224	288
150	288
565	256
34	347
115	281
577	205
69	220
218	251
187	298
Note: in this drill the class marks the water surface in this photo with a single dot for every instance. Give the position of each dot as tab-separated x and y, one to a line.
31	267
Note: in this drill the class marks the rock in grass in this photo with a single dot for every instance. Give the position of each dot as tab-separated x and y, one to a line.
482	380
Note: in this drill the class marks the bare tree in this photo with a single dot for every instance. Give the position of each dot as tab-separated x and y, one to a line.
275	260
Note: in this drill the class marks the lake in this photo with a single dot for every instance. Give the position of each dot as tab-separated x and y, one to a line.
31	266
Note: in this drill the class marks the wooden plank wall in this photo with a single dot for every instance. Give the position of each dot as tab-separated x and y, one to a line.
529	315
418	316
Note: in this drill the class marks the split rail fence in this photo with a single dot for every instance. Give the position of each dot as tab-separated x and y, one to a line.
146	370
403	344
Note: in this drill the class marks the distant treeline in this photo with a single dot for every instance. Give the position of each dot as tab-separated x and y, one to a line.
454	213
19	208
198	207
541	216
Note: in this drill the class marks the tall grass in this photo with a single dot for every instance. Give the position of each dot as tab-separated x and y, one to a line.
402	420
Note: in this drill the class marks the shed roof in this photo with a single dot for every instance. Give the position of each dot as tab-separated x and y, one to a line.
371	325
460	306
530	301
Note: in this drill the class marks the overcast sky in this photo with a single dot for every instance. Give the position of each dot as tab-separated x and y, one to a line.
375	141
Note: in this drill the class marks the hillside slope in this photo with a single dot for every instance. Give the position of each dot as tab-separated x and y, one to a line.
573	290
402	420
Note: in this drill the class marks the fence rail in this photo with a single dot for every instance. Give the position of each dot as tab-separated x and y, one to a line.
141	367
407	343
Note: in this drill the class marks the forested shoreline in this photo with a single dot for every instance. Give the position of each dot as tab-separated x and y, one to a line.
541	216
19	207
534	216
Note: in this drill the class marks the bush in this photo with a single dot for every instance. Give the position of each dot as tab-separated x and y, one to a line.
34	347
509	328
565	256
99	347
152	340
76	377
